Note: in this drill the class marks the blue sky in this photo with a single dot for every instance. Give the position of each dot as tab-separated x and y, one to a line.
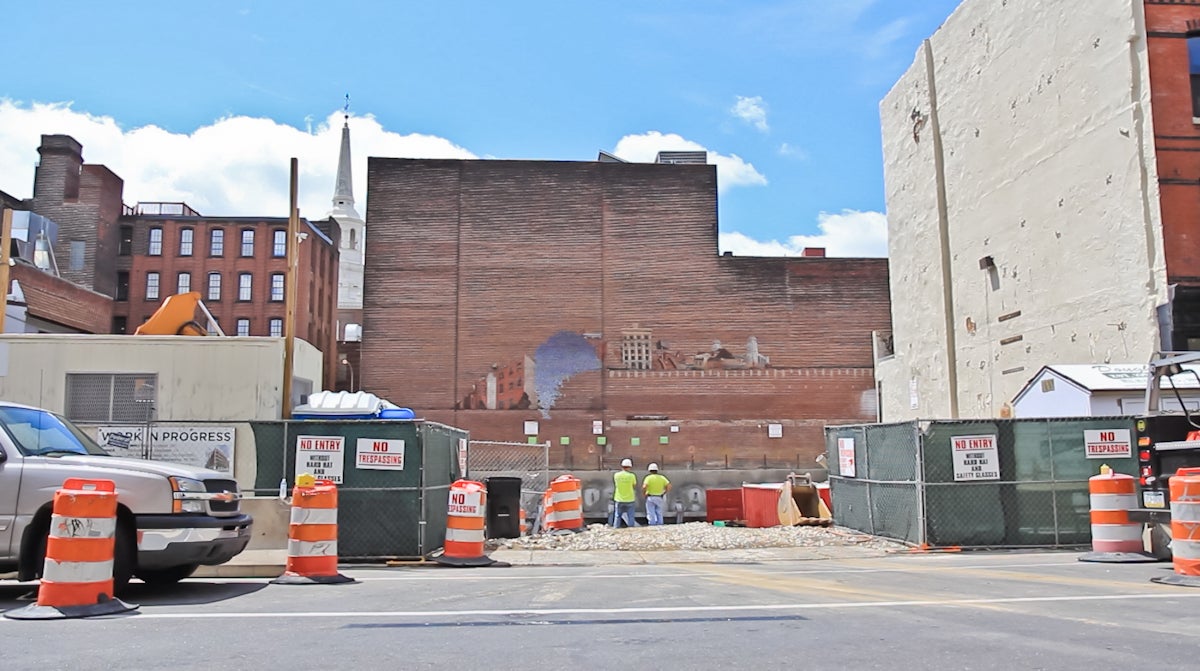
205	101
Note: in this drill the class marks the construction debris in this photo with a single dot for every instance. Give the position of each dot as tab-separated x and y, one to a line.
694	536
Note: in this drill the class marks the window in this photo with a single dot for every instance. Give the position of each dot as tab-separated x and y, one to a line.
277	286
245	286
276	327
155	248
1193	45
243	326
122	286
185	241
353	242
125	248
279	247
78	249
216	243
214	286
247	242
151	286
185	283
120	324
108	397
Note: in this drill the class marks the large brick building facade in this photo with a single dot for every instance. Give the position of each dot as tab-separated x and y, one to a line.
139	255
586	304
1173	50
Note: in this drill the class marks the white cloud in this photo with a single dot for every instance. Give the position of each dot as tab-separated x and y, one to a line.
234	166
849	234
752	111
792	151
732	170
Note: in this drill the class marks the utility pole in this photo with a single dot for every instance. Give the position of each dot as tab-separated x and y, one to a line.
289	320
5	246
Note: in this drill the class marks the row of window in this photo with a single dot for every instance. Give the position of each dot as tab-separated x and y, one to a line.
216	242
241	326
183	284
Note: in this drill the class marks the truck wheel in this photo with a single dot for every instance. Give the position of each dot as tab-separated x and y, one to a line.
166	576
124	555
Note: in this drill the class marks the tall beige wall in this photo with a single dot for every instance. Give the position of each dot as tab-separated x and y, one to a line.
1040	114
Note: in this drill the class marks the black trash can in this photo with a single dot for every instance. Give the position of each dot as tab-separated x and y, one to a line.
503	507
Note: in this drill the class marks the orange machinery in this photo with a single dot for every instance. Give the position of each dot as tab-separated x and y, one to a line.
177	316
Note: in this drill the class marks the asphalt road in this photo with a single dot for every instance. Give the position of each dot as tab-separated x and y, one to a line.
960	611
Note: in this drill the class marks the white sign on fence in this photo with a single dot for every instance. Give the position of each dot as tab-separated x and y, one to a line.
462	457
379	454
975	458
321	457
846	457
201	446
466	504
1107	444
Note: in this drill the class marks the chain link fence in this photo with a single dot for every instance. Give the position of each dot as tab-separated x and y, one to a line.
528	461
969	483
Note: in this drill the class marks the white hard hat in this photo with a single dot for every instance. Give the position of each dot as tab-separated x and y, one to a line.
653	466
626	462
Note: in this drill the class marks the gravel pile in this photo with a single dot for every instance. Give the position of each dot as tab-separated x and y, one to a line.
693	536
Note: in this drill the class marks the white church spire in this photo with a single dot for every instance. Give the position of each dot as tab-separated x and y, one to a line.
343	190
353	244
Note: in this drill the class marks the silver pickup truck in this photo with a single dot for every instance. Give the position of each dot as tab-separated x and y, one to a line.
170	520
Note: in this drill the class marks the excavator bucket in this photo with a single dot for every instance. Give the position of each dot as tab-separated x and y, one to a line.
176	316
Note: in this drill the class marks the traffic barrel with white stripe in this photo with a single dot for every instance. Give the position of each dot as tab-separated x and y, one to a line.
1185	529
77	578
465	516
1114	537
312	535
566	497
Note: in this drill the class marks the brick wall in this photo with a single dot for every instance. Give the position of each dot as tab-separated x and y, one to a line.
476	264
1176	137
56	300
316	298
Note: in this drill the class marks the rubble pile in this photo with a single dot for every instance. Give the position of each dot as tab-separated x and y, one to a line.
693	536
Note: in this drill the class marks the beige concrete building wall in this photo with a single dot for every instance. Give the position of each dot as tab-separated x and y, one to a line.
203	379
1023	217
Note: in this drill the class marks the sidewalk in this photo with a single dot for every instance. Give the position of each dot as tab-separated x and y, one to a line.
270	563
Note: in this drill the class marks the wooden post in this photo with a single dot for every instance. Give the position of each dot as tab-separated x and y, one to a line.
5	246
290	287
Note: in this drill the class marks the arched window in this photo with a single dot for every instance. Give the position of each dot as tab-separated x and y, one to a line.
353	239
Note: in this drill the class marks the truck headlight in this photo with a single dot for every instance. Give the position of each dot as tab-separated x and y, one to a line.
184	493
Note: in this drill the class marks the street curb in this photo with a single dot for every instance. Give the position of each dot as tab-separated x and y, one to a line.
240	571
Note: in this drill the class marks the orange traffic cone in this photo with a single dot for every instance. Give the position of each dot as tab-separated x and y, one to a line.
312	535
77	578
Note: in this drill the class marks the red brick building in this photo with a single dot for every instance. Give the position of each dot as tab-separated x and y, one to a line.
598	287
140	255
1173	45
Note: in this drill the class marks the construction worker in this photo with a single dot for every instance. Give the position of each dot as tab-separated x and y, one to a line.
655	488
625	494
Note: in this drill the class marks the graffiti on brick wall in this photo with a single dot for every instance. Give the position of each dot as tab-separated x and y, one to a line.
640	351
535	381
563	355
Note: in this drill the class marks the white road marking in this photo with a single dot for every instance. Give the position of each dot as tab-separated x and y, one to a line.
650	610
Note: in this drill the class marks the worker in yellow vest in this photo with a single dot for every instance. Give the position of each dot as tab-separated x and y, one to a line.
625	494
655	488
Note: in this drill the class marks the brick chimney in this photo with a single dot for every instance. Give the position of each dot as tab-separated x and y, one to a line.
813	251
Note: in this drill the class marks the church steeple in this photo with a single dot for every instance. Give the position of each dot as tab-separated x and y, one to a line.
353	244
343	190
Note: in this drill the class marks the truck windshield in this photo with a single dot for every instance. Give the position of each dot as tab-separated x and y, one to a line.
37	432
